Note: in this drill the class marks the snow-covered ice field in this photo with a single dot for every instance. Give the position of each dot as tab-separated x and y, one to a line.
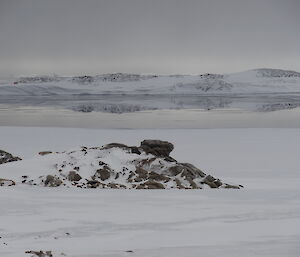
263	219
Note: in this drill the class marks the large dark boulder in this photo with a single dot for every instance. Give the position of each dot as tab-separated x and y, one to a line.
103	173
157	147
74	176
52	181
7	157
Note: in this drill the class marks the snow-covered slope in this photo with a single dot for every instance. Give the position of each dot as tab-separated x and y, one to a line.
253	81
116	166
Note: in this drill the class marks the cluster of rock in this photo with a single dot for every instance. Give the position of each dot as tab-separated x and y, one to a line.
86	79
39	79
118	166
40	253
211	76
277	106
7	157
110	108
83	79
122	77
277	73
205	85
111	77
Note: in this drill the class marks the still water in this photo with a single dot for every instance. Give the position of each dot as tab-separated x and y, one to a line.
184	118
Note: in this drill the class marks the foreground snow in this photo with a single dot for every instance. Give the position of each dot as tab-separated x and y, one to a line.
256	222
263	219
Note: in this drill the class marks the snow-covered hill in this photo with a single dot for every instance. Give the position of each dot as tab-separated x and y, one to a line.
253	81
116	166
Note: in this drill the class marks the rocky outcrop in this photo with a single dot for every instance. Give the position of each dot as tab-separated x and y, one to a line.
118	166
52	181
44	153
74	176
157	147
7	182
40	253
7	157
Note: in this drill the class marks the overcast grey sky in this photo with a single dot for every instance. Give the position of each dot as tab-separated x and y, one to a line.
147	36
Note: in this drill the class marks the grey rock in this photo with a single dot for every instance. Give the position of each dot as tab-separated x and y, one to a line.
157	147
93	184
7	182
232	186
7	157
44	153
52	181
40	253
113	145
73	176
142	173
103	173
193	169
151	184
158	177
135	150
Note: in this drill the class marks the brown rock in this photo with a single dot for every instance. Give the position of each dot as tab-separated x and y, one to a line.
52	181
135	150
116	186
155	176
103	173
192	169
113	145
211	181
7	157
41	253
151	184
74	176
157	147
93	184
192	183
175	170
45	153
7	182
178	183
142	173
231	186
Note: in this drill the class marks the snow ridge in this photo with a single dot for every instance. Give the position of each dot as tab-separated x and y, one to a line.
249	82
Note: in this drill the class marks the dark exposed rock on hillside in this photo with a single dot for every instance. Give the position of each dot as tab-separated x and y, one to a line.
7	182
118	166
40	253
7	157
157	147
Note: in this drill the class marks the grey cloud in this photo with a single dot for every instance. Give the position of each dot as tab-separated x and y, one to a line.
157	36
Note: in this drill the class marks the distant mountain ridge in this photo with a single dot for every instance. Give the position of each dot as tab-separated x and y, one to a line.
277	73
122	77
248	82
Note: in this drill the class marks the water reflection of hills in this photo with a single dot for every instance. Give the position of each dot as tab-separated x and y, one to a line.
133	103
